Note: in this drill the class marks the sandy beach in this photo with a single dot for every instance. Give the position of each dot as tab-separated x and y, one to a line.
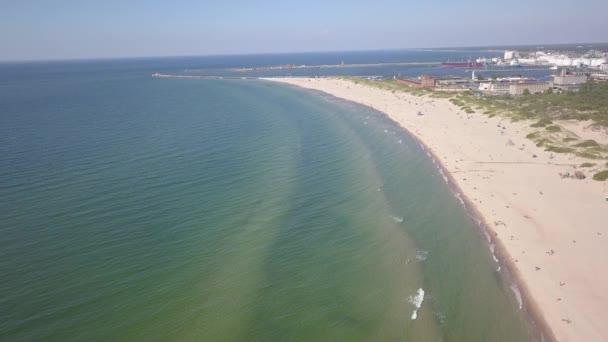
551	232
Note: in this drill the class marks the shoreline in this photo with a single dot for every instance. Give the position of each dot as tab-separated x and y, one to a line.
507	270
532	301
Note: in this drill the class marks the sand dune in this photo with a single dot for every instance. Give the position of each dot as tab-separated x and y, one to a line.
553	230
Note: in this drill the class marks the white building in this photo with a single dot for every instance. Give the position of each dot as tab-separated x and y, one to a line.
527	61
565	61
569	79
494	87
531	87
510	54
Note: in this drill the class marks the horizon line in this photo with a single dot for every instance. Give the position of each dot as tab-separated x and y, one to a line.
453	48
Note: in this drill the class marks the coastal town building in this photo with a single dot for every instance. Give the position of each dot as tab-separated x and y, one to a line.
409	82
494	88
423	81
570	79
511	55
451	80
427	81
531	87
439	83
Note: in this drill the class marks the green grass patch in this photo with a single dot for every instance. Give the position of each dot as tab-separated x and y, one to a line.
533	135
601	176
569	139
542	142
542	122
553	128
559	149
588	143
587	165
457	102
587	155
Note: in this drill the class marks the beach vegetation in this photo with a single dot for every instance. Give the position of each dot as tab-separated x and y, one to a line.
553	128
458	101
587	164
542	142
587	155
589	103
559	149
533	135
601	176
542	122
569	139
588	143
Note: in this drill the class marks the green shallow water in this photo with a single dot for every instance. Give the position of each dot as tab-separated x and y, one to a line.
208	210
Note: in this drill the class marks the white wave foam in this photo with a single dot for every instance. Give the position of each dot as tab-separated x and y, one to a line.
397	219
517	296
459	197
422	255
445	178
493	250
417	301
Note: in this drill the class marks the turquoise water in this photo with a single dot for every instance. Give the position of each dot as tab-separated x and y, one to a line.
139	209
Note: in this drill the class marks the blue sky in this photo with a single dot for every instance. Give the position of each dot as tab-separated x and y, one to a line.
58	29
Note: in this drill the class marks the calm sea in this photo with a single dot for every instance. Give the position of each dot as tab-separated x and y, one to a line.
135	208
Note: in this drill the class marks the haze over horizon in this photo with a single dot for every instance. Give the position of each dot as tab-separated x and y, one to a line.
68	29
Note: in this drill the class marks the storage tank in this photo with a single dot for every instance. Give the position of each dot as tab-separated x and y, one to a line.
598	61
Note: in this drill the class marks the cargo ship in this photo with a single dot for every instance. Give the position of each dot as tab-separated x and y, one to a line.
462	65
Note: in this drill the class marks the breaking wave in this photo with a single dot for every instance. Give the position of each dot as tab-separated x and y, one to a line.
417	301
397	219
422	255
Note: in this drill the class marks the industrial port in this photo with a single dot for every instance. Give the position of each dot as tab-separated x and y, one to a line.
571	70
512	73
